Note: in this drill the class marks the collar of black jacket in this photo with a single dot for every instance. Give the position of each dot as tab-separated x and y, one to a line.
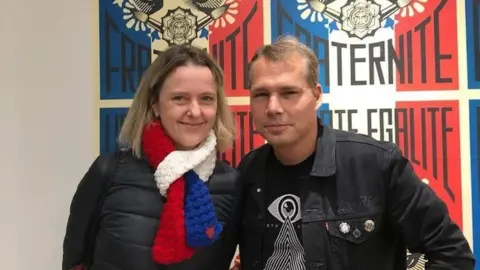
324	164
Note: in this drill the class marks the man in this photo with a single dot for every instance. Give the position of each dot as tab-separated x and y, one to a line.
318	198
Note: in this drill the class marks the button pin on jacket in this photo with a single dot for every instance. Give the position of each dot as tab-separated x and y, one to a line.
369	225
357	233
344	227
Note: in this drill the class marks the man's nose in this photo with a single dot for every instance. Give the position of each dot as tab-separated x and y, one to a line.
274	106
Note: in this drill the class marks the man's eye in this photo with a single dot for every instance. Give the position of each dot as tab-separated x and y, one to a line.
260	95
288	93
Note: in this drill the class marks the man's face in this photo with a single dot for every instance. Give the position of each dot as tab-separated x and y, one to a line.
283	105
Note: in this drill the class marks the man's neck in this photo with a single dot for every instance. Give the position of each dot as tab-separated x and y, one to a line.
298	152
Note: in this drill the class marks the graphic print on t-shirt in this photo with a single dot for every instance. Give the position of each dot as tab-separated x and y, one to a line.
287	248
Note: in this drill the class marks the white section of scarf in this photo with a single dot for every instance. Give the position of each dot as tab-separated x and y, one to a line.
201	159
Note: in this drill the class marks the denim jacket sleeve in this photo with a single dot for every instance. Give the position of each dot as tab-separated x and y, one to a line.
422	218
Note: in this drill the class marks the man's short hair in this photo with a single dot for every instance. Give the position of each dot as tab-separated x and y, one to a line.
282	48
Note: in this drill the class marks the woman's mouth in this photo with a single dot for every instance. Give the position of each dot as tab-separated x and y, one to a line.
192	124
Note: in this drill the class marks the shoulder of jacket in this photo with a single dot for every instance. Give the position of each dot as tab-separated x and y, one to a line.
248	159
104	160
362	141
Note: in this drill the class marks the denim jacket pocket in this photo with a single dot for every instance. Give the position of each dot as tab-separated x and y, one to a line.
357	229
352	240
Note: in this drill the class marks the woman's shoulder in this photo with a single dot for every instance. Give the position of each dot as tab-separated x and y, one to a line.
224	178
119	160
224	167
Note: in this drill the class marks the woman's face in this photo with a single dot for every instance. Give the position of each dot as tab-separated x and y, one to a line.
187	105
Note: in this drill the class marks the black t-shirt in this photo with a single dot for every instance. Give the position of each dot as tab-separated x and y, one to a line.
282	240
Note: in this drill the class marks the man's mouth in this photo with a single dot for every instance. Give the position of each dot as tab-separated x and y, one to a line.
275	125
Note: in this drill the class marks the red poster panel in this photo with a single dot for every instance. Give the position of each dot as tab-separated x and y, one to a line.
234	41
246	138
426	46
429	136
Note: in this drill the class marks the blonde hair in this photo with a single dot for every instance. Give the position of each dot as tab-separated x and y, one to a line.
282	48
141	112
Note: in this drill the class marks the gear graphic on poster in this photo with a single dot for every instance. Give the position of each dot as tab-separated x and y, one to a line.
358	18
179	26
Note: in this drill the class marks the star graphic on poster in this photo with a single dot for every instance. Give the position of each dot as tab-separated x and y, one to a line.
389	23
155	35
119	3
204	33
333	26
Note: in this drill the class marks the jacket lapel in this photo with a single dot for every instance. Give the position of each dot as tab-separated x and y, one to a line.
256	179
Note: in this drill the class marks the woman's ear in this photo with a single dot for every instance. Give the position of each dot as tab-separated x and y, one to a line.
155	110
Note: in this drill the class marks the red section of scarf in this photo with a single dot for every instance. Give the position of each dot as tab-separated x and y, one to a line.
170	244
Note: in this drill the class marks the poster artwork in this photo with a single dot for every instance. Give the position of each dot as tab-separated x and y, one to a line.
427	132
134	32
111	121
125	50
247	138
472	18
374	58
389	43
372	54
234	44
475	169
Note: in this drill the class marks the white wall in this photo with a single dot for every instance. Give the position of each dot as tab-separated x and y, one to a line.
46	81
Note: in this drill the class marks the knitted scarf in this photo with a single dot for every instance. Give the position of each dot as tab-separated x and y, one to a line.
187	220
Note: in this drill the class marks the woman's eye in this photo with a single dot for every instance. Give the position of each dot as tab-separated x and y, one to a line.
178	98
207	98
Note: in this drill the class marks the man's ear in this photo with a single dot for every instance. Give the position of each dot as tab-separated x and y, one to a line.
317	92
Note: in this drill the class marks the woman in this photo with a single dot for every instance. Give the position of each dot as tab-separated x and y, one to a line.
169	197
